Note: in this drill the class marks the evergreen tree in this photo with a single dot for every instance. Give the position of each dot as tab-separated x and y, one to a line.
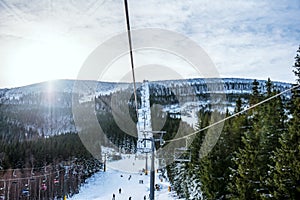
245	175
297	66
253	160
286	175
215	167
238	127
195	187
255	97
194	183
179	173
270	126
246	178
238	107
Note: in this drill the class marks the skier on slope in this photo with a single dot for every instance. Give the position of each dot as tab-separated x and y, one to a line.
114	197
120	190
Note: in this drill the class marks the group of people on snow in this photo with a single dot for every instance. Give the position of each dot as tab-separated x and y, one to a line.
120	190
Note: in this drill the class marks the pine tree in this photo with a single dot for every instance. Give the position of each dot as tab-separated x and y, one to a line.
215	167
246	177
207	177
178	172
196	187
194	184
297	66
238	107
286	176
271	125
253	160
255	97
238	127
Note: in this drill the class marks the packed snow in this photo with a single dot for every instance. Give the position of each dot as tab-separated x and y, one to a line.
125	174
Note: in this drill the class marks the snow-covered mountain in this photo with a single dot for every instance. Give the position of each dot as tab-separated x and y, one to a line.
46	107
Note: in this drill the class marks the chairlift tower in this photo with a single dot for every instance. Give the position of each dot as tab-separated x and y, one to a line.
144	126
146	141
146	136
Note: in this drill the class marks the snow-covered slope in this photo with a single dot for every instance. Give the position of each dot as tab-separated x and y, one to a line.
133	183
47	107
58	86
180	87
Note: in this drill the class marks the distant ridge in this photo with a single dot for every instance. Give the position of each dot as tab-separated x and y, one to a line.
46	107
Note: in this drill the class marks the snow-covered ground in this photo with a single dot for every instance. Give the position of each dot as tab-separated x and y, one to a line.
102	185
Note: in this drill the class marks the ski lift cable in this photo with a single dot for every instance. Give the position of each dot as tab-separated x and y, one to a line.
131	56
234	115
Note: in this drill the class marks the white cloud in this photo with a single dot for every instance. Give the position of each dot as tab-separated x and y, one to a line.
252	39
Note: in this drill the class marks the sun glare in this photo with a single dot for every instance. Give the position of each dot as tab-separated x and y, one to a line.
48	58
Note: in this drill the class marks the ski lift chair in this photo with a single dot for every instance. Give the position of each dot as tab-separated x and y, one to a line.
161	163
25	191
2	191
183	154
44	186
144	146
56	181
56	178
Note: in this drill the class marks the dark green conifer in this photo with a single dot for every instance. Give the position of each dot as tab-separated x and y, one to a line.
286	175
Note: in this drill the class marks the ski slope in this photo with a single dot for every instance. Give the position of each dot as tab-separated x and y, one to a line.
102	185
127	173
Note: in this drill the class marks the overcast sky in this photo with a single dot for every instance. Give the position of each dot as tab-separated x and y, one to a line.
43	40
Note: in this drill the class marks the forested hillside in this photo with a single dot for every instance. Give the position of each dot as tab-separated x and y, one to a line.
257	155
45	109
